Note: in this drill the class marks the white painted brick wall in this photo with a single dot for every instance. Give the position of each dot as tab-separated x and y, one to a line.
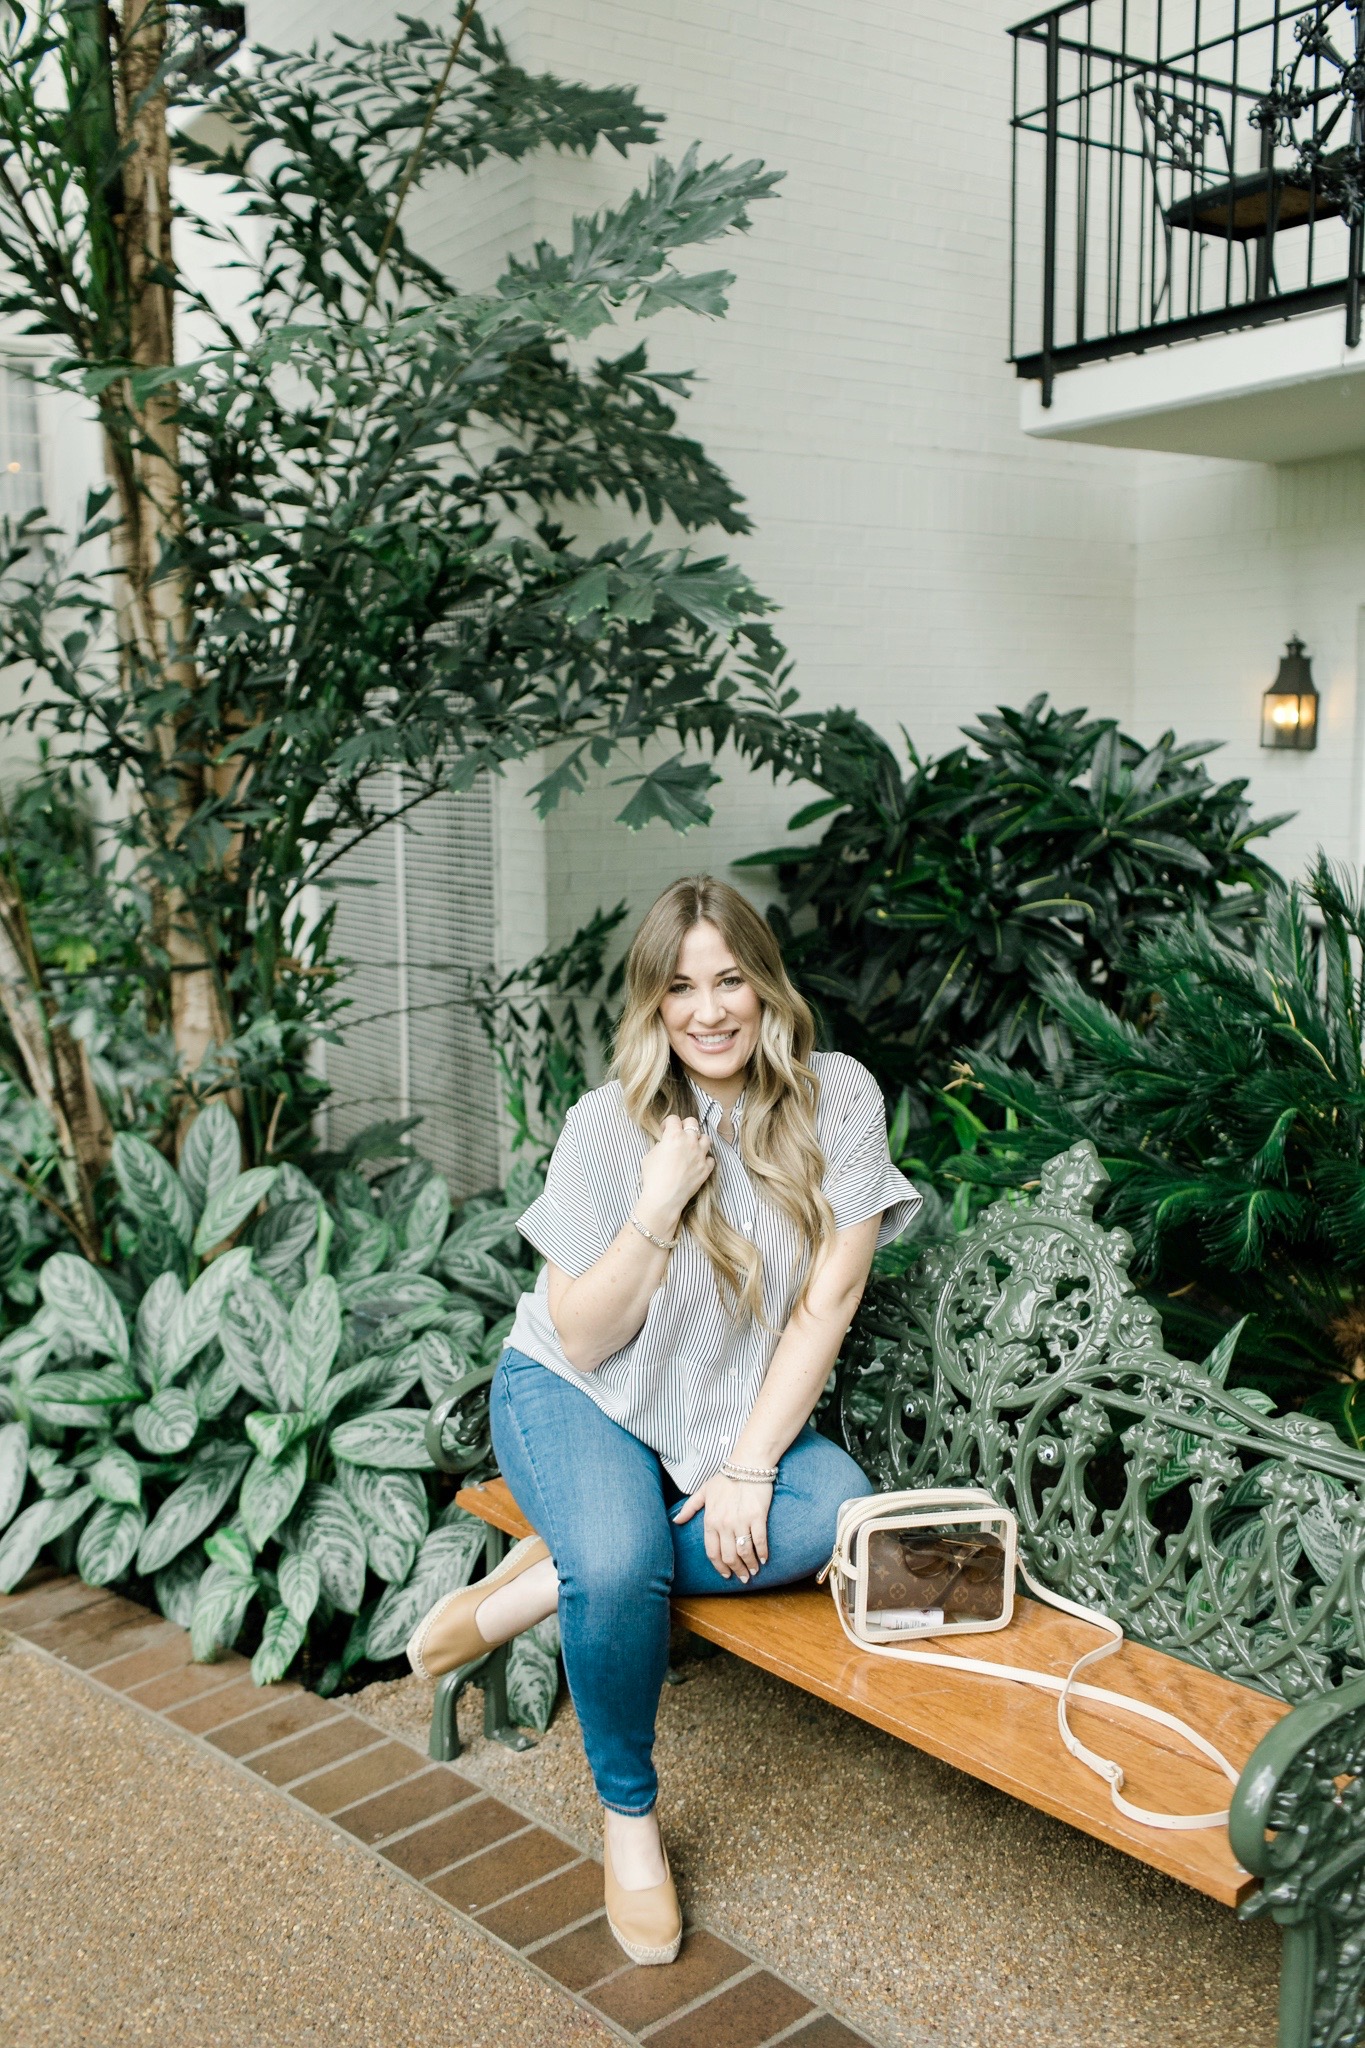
1232	558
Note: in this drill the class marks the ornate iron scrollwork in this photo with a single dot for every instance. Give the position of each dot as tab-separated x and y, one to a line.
1020	1358
1331	158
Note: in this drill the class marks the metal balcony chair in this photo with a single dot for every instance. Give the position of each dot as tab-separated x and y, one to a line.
1179	136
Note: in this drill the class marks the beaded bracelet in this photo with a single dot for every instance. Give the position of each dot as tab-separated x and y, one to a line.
755	1475
663	1244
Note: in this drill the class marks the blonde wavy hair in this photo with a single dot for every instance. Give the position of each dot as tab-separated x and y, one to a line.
777	1139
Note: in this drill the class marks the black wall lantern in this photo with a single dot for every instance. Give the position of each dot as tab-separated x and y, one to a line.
1289	708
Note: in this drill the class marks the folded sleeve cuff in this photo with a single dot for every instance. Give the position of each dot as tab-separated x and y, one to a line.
879	1187
569	1242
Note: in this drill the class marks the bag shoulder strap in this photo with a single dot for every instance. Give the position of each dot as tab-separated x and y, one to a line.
1067	1689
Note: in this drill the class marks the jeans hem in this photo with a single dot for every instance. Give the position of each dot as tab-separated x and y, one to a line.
630	1812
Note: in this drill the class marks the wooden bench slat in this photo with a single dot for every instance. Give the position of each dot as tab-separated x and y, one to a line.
1005	1734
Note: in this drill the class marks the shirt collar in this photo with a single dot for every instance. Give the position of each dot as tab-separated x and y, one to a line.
711	1111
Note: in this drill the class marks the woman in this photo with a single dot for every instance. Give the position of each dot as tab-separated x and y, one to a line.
708	1222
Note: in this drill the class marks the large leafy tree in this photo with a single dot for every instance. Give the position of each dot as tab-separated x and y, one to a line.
342	535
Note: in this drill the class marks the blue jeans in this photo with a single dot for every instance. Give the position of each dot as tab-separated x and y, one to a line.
601	1500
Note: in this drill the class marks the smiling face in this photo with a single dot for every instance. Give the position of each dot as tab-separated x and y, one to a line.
712	1014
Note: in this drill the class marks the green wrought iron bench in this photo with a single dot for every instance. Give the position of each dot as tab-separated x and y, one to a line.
1230	1544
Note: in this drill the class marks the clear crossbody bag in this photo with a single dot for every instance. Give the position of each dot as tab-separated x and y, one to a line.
942	1562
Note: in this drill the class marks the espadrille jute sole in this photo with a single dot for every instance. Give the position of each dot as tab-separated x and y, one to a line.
654	1912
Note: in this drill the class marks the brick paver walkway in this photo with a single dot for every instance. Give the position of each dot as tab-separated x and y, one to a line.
522	1884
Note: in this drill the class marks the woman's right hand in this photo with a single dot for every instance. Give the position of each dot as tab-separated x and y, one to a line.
673	1170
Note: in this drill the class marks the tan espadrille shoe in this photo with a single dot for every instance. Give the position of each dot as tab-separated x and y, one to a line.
647	1924
448	1635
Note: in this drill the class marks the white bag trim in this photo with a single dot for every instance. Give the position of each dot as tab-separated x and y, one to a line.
932	1504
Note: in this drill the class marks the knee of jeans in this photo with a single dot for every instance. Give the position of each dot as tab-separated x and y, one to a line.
622	1566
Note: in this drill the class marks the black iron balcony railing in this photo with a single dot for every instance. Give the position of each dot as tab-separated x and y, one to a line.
1182	168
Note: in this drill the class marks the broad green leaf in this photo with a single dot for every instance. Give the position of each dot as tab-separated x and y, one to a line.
464	1323
424	1226
211	1384
194	1506
166	1423
117	1478
377	1382
445	1562
327	1530
196	1320
82	1298
396	1501
391	1558
481	1273
533	1675
232	1546
269	1491
390	1439
442	1363
1320	1536
23	1352
109	1541
273	1434
211	1156
47	1468
397	1191
220	1606
83	1396
300	1584
495	1341
155	1319
13	1469
283	1235
151	1186
314	1334
486	1230
67	1511
364	1245
388	1294
525	1184
281	1640
229	1208
253	1328
22	1541
177	1584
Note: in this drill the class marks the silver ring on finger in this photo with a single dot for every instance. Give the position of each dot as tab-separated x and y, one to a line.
743	1543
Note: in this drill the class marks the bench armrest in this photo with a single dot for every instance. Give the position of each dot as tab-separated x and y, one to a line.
457	1435
1298	1814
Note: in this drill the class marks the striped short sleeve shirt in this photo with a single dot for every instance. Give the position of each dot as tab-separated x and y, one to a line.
686	1382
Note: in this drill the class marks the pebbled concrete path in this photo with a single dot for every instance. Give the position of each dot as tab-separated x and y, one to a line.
186	1857
331	1885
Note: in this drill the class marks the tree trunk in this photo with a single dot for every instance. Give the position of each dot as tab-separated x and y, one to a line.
58	1068
143	455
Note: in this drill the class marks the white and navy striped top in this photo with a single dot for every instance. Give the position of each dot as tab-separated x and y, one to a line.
685	1384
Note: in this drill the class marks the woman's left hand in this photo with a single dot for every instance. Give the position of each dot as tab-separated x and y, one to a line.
736	1527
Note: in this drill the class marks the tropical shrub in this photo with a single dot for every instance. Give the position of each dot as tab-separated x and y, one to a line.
1229	1111
230	1420
929	917
547	1022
